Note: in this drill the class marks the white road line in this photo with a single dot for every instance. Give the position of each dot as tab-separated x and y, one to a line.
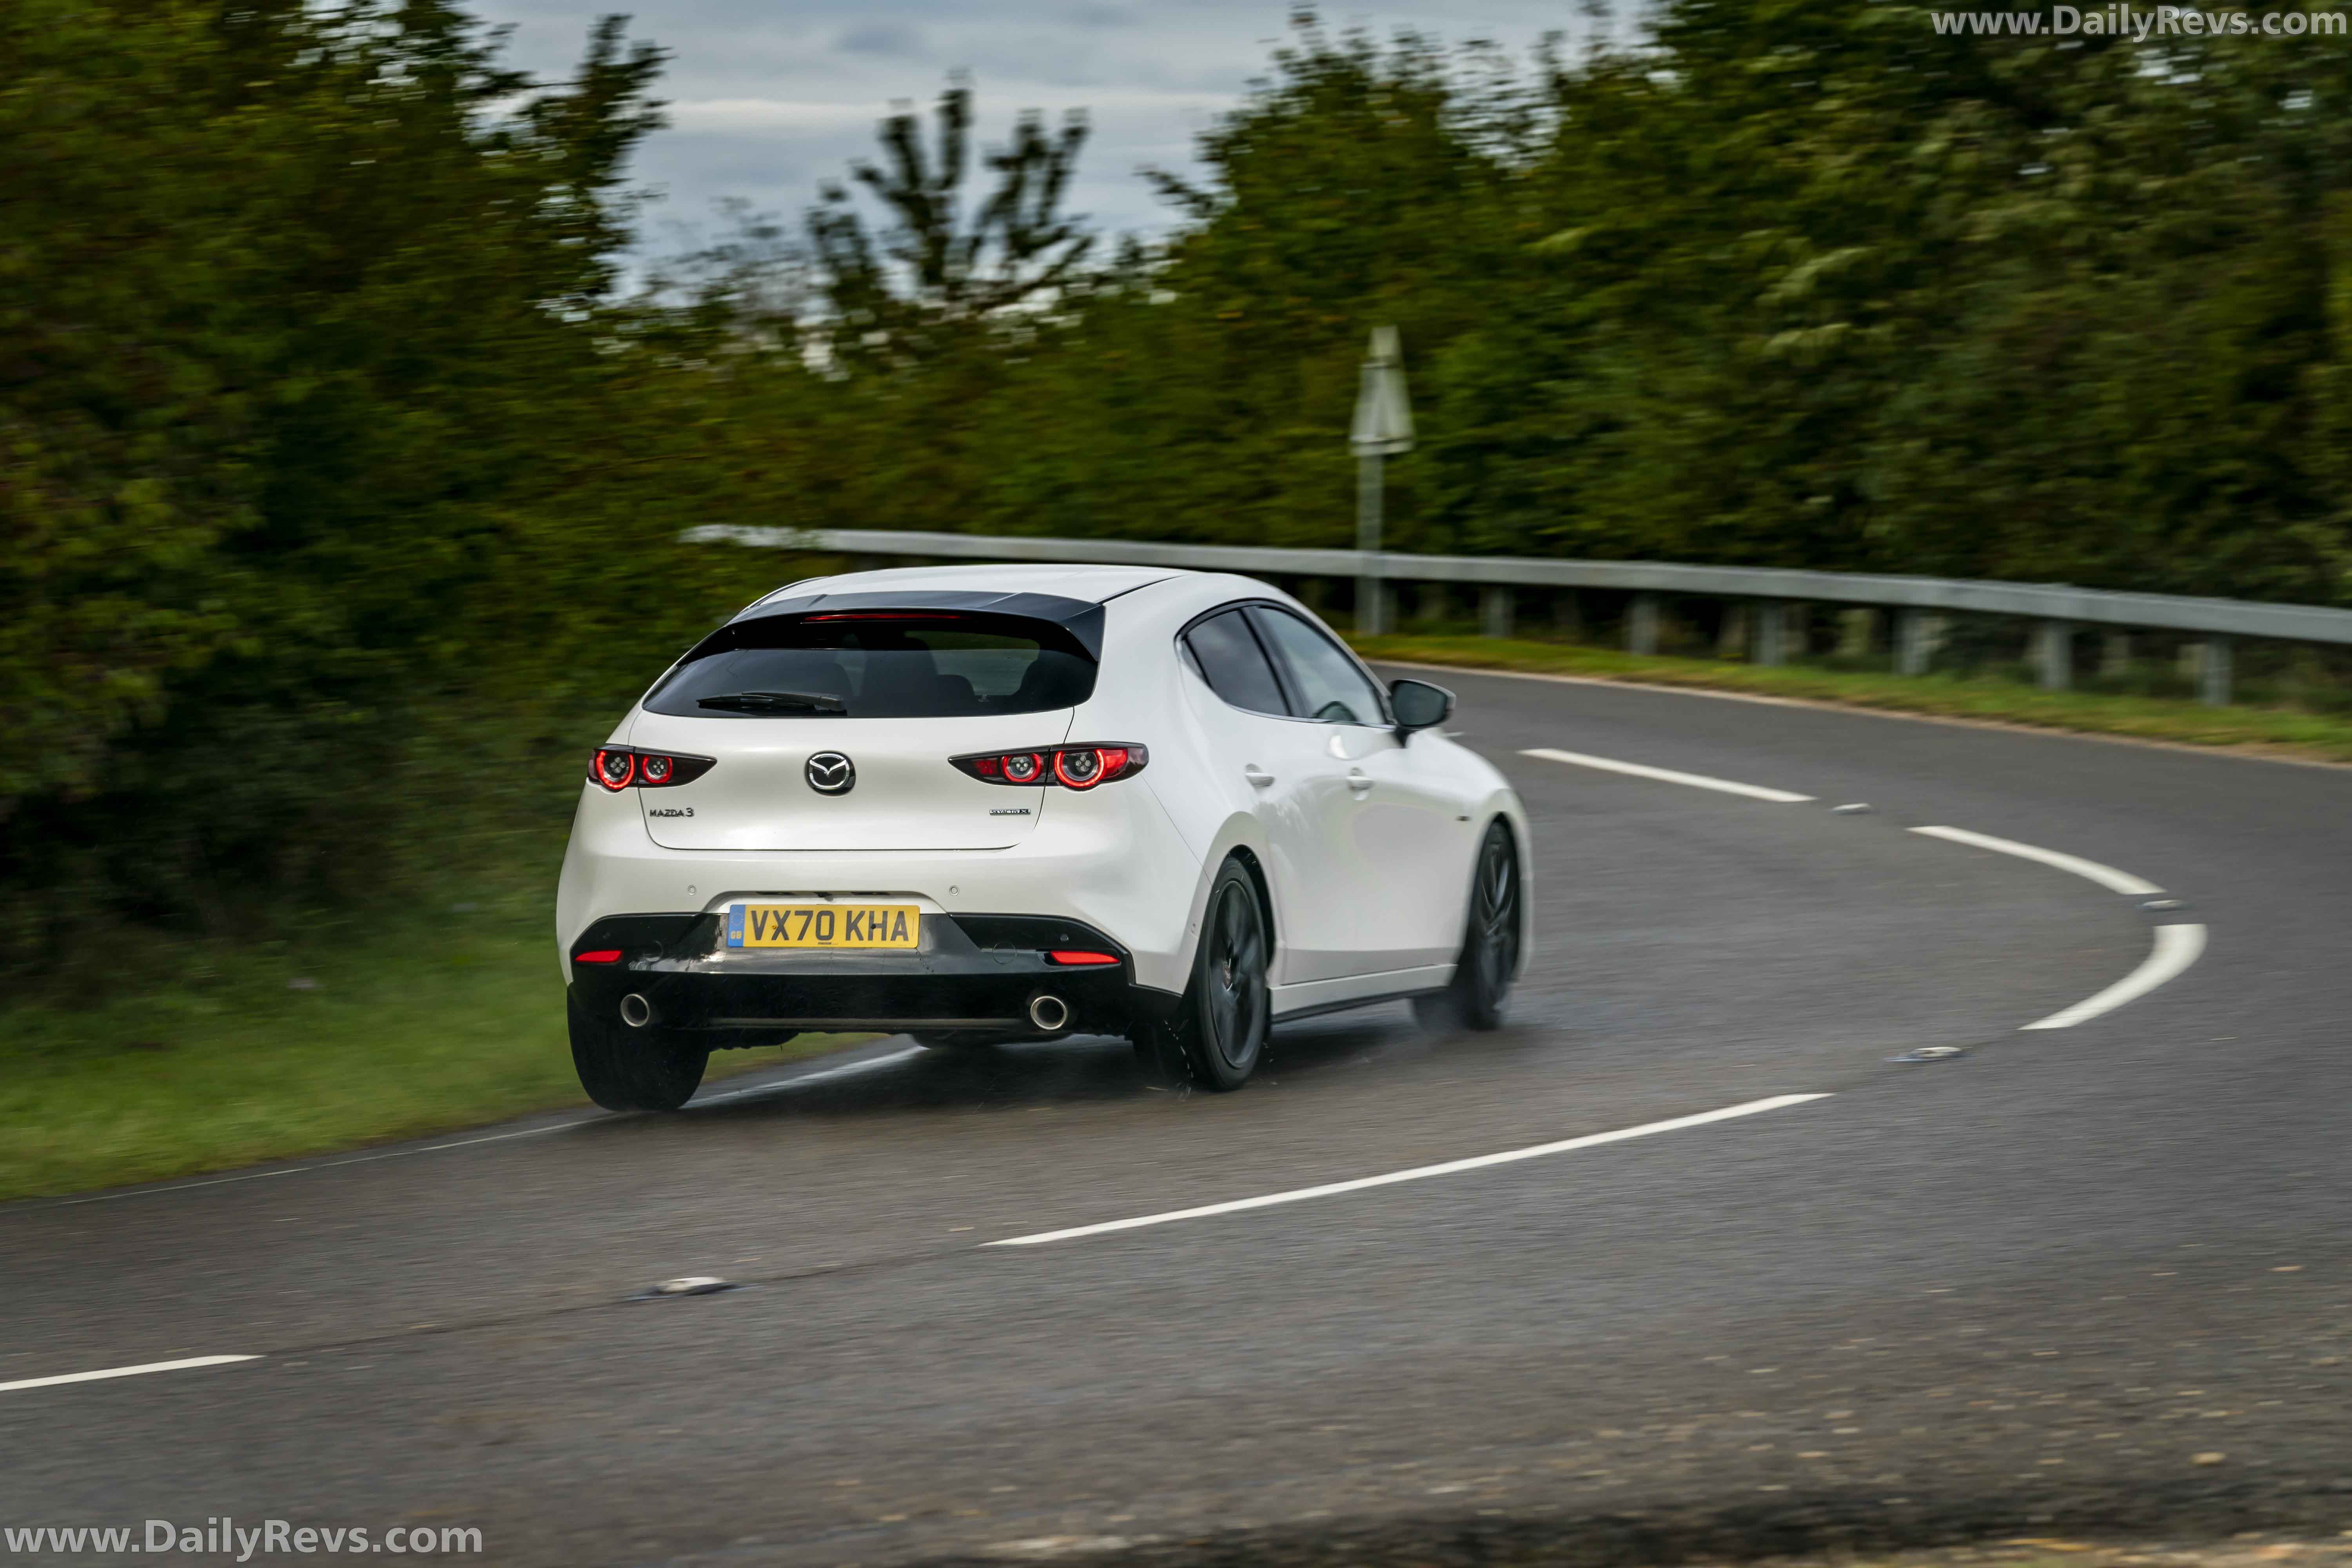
489	1137
124	1372
2107	877
181	1187
460	1143
1664	775
1419	1173
848	1069
2177	947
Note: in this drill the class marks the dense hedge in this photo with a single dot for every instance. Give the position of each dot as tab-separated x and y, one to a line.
323	420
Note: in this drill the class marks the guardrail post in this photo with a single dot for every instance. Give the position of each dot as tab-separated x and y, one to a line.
1918	636
2115	655
1768	631
2053	654
2214	659
1731	637
1642	624
1494	610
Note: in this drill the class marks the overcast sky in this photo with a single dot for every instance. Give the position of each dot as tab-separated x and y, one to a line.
767	100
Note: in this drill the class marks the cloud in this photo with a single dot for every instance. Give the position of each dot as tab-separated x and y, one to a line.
736	116
767	102
883	39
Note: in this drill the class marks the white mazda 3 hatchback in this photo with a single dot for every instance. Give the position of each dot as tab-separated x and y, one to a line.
988	803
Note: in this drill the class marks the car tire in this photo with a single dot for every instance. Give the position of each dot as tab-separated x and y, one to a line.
1481	986
1216	1036
631	1070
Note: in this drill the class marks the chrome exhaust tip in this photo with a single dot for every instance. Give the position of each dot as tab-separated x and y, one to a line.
635	1011
1048	1012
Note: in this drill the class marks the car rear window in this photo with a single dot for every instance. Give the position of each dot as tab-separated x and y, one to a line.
871	664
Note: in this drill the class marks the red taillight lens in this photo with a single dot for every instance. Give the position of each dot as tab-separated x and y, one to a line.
1071	767
601	955
1068	955
618	767
1083	767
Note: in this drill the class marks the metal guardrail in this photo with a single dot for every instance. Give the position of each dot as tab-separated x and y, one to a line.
1921	602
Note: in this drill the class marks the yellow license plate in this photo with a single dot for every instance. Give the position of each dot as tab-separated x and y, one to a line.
857	927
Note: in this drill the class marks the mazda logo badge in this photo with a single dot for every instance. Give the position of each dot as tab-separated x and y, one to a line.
830	772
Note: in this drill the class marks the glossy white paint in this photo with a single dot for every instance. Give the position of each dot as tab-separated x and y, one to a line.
1363	838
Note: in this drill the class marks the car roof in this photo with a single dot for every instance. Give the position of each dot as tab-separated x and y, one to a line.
1090	584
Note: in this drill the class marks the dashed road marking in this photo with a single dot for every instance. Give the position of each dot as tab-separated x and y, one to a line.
1665	776
1418	1172
2107	877
2176	948
140	1371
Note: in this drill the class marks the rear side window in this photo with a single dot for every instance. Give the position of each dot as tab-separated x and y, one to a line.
1234	664
1326	682
879	664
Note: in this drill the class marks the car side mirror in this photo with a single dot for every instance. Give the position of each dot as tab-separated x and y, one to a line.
1418	705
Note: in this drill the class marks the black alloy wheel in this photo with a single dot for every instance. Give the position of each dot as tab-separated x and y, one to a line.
1217	1035
1490	943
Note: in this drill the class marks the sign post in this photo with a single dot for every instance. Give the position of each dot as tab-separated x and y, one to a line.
1383	426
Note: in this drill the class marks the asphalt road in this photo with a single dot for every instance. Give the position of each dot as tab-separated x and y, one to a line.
2093	1279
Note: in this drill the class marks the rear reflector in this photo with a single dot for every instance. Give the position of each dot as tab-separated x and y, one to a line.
1065	956
601	955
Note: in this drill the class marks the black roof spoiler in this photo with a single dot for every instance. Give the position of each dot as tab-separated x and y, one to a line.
1082	619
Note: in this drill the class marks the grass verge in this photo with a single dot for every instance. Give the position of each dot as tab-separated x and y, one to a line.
370	1030
2281	732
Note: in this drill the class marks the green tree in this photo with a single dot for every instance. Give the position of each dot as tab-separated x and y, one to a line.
931	271
295	304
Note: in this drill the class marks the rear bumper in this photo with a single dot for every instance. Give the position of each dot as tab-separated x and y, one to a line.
1109	858
974	977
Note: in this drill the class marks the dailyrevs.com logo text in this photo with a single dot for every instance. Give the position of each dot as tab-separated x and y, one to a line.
226	1538
2140	22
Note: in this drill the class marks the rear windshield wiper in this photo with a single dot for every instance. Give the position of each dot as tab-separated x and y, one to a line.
774	702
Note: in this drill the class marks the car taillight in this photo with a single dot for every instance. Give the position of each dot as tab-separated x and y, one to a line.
600	955
618	767
615	767
1079	958
1071	767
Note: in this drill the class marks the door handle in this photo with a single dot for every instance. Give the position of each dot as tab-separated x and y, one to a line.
1359	780
1258	777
